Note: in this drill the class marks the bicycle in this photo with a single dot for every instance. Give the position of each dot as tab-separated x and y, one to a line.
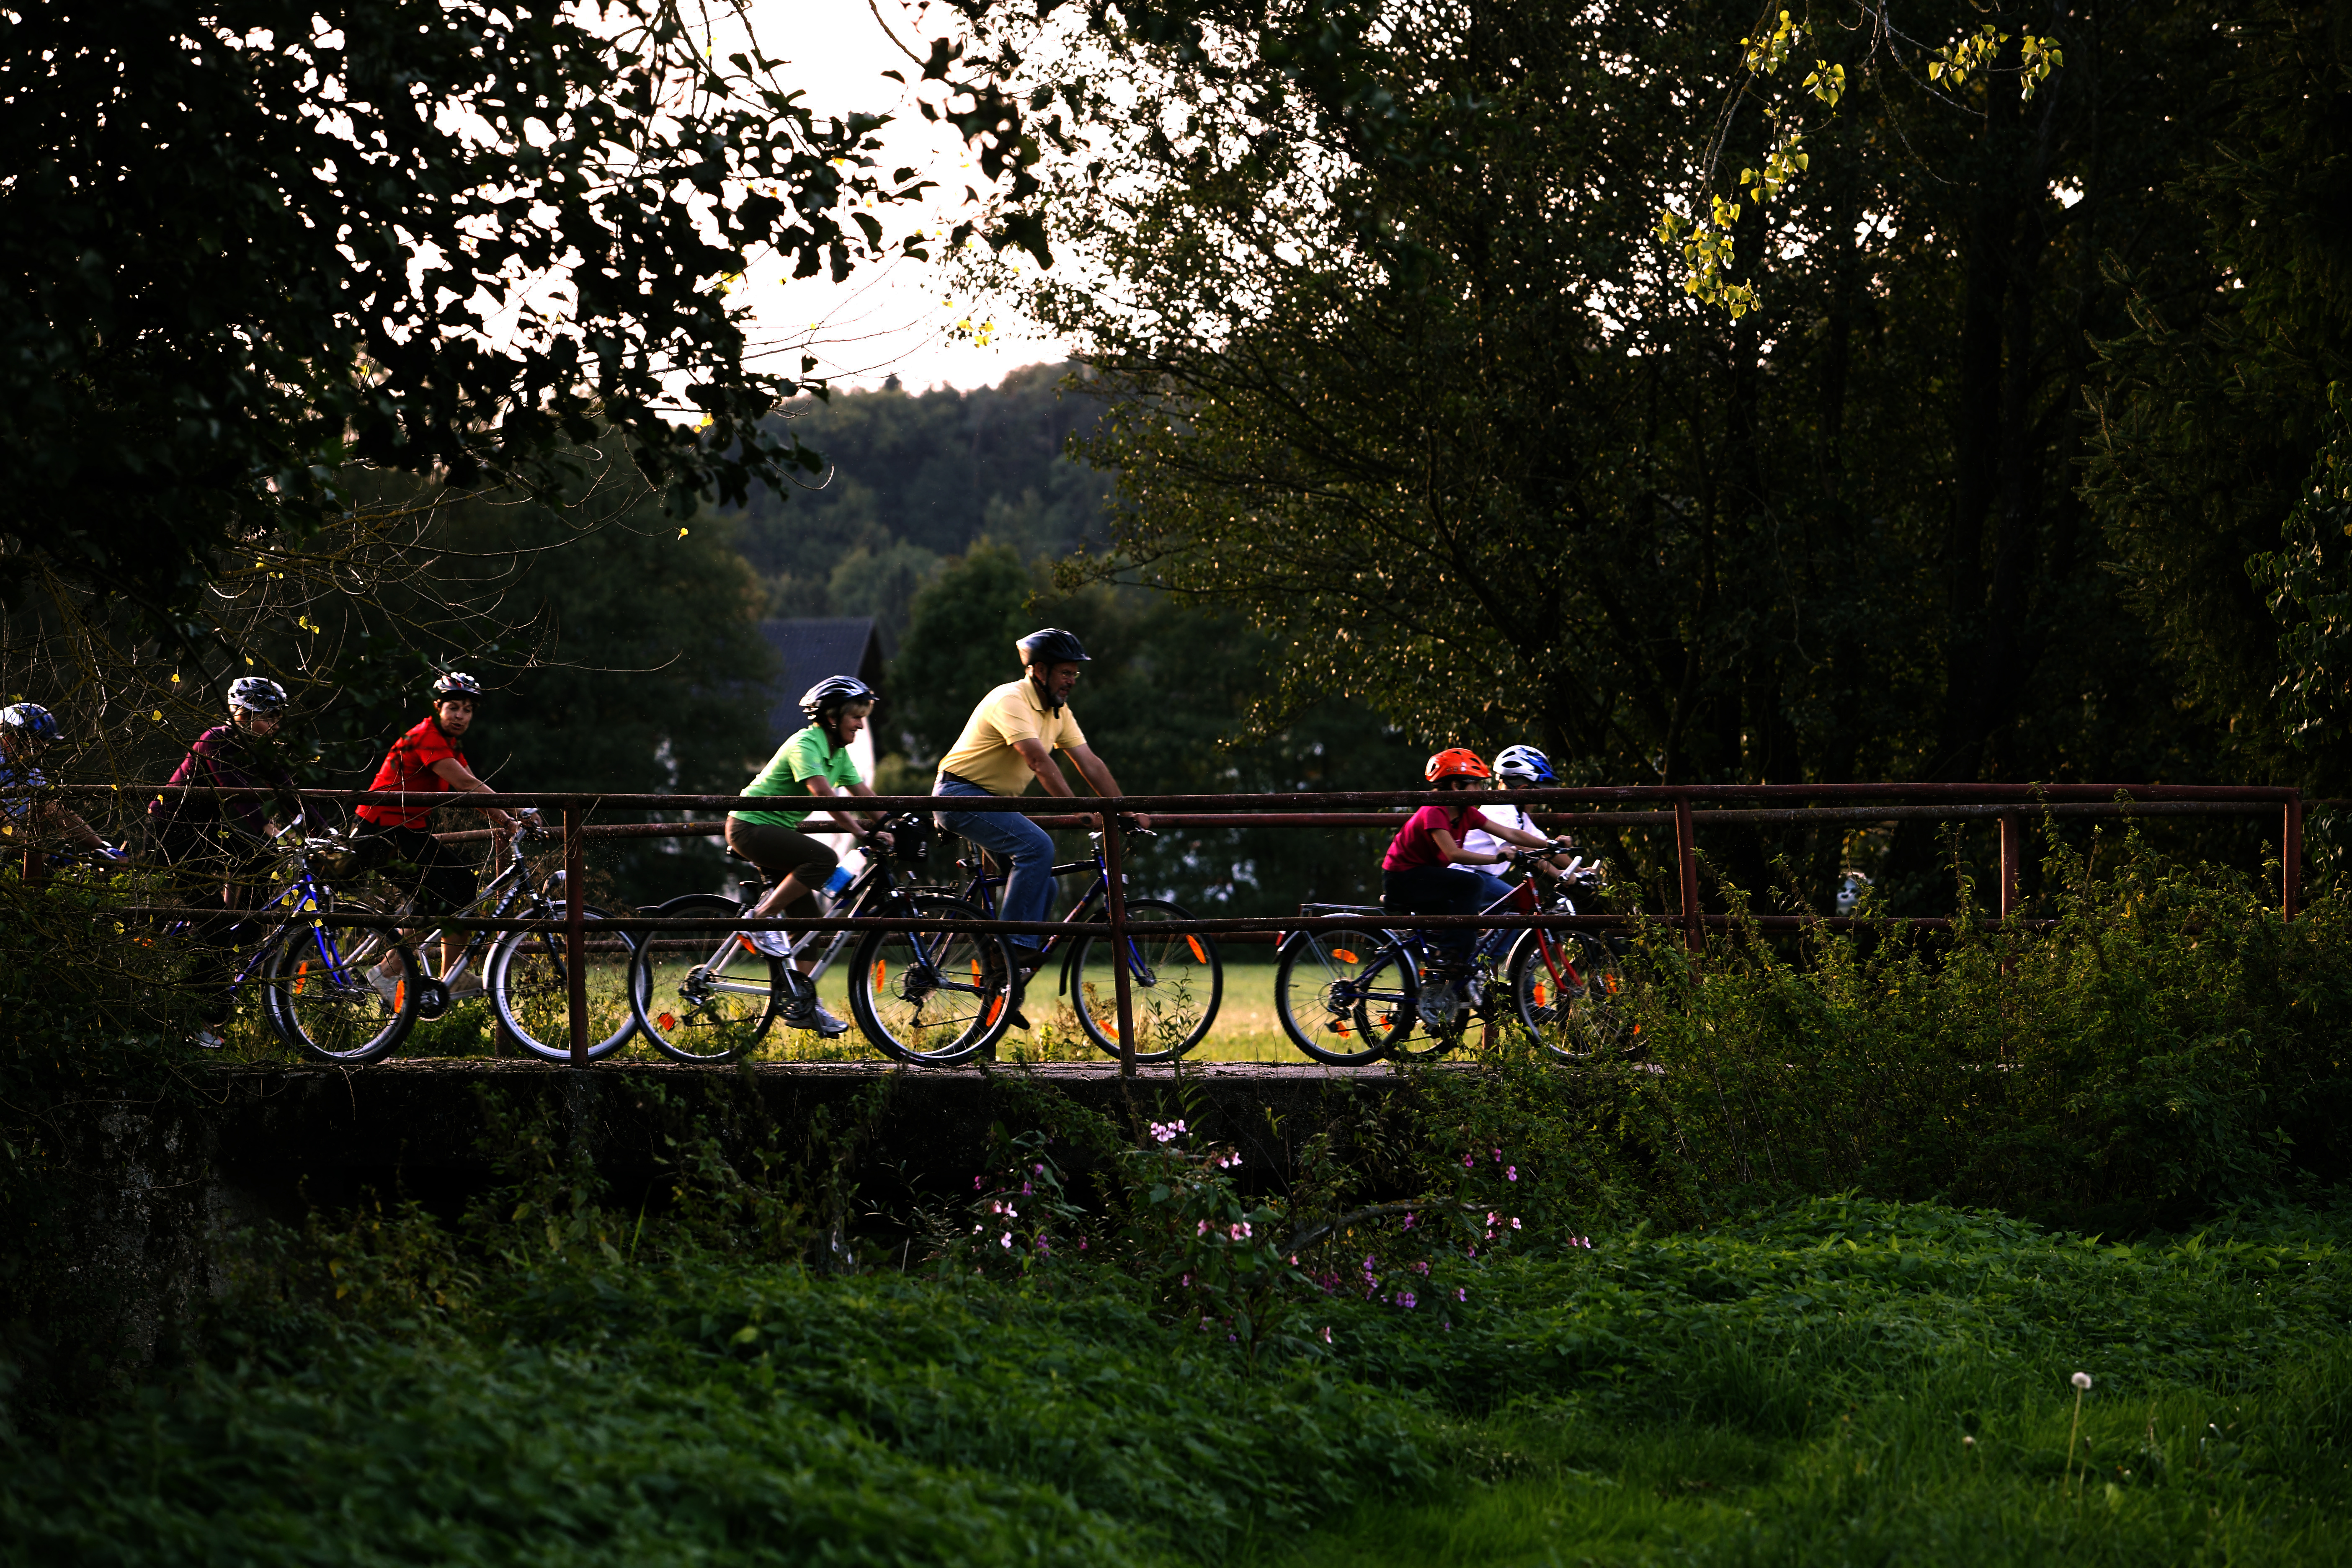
1363	984
1168	974
312	969
721	1001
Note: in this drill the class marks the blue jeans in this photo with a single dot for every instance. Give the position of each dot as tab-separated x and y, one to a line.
1029	892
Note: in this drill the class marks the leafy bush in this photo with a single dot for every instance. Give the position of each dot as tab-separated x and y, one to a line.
2168	1047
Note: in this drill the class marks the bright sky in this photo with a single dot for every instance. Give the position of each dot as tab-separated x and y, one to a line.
895	317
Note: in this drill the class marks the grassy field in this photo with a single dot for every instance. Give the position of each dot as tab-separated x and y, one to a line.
1834	1382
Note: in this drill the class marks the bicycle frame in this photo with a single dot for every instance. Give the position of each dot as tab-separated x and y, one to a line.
853	903
982	892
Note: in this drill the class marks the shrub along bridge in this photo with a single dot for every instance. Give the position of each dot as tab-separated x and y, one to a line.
1685	809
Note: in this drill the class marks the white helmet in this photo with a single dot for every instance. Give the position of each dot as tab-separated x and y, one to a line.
256	694
1523	763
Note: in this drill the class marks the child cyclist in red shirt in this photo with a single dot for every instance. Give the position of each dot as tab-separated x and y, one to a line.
427	760
1427	872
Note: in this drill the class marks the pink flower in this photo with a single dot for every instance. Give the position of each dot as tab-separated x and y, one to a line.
1469	1161
1512	1175
1408	1222
1200	1229
1514	1222
1024	1189
1005	1240
1491	1218
1404	1298
1327	1333
979	1182
1462	1292
1184	1283
1498	1156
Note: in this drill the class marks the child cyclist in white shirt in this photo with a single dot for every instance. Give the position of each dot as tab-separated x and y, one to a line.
1516	767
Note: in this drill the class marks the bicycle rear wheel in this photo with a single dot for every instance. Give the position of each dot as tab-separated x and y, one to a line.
316	994
932	997
1568	992
1175	985
530	983
703	992
1344	995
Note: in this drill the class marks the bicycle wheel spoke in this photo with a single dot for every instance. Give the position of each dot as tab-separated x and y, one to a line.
1175	985
929	995
703	994
529	976
317	994
1344	995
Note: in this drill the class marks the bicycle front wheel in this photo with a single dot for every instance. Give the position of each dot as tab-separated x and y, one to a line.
1175	985
1344	995
703	992
530	980
932	997
317	994
1570	992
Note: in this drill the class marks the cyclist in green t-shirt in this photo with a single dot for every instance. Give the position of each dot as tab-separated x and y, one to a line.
814	760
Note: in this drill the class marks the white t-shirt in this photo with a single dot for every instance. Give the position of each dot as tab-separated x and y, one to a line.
1479	841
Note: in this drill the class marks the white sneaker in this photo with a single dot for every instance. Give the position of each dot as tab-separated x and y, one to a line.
827	1025
774	943
206	1040
1438	1003
387	985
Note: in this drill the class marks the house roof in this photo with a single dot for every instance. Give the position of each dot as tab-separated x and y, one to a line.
809	650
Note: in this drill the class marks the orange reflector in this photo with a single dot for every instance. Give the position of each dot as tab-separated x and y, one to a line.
878	968
1338	1027
1540	994
1194	943
746	942
667	1021
1343	955
400	996
994	1008
975	971
300	969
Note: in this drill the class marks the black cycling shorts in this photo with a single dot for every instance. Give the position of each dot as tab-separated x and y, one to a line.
439	878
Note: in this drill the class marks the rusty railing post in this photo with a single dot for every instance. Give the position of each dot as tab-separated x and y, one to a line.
1115	880
2012	854
1687	858
576	921
2290	856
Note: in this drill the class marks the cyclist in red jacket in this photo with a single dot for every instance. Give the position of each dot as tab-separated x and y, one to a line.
1427	872
429	760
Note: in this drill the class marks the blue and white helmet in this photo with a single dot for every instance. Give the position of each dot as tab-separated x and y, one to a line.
31	721
1523	763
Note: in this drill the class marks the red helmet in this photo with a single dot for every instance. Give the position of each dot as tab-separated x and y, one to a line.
1455	762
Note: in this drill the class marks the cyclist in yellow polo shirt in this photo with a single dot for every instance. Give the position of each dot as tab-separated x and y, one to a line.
1010	740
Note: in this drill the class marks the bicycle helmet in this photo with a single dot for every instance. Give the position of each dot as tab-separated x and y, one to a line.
1052	645
833	691
456	683
1454	761
1523	763
257	694
31	721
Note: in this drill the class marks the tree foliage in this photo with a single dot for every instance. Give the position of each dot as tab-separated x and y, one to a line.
246	248
1430	406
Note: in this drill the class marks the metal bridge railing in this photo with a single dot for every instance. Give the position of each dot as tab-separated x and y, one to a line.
1679	806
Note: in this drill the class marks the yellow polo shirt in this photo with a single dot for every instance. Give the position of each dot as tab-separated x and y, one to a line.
1014	711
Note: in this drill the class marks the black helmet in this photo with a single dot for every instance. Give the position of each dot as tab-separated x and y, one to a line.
1051	646
456	683
833	691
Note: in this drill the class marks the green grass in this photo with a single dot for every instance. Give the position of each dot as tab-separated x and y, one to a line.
1793	1389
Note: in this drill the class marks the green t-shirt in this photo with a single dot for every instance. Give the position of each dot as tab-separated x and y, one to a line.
806	755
